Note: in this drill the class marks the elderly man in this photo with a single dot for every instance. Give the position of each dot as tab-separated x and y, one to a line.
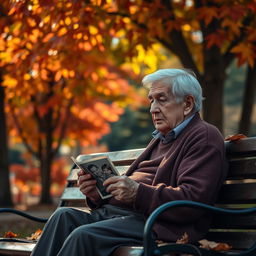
184	161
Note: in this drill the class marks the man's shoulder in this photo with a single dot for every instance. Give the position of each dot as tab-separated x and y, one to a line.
211	130
200	125
204	132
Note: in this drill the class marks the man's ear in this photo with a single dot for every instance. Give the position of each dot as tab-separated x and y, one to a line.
189	104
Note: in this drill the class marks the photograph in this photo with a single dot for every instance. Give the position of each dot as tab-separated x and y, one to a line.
101	168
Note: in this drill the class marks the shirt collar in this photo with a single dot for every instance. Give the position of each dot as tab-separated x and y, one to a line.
174	133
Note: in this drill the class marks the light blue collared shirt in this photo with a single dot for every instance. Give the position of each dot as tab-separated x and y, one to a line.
174	133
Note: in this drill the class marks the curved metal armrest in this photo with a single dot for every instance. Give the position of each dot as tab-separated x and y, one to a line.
23	214
148	241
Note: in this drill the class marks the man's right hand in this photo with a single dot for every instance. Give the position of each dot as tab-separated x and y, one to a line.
87	186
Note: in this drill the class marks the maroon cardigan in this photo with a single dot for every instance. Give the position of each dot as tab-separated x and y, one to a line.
193	169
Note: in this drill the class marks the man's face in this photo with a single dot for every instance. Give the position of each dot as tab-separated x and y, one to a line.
166	112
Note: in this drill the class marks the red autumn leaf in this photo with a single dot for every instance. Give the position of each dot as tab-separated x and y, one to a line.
216	38
10	234
235	137
207	14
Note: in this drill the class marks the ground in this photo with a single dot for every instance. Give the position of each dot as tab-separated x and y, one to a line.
22	226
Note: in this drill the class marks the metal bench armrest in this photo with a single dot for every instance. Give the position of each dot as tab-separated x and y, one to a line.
150	246
23	214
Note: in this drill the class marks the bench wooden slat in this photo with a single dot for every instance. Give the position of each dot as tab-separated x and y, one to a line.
124	157
247	222
239	168
237	193
72	194
15	248
246	146
242	168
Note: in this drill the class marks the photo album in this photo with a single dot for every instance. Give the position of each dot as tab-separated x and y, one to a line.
101	168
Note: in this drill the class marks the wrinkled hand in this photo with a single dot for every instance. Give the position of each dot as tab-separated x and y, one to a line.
122	188
87	186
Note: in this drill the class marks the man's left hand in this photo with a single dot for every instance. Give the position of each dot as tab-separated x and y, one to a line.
122	188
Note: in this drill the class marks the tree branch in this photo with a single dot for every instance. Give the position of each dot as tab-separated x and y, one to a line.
64	126
228	56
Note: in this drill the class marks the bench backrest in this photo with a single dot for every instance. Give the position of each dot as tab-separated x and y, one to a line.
239	190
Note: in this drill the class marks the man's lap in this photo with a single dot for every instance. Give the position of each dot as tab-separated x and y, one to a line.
107	219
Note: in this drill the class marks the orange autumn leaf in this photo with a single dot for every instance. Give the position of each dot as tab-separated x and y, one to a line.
211	245
183	240
10	234
235	137
245	52
222	247
35	235
48	37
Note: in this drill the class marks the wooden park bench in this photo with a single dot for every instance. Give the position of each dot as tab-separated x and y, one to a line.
235	227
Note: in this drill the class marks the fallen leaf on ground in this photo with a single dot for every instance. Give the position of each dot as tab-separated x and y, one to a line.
183	240
35	235
10	234
235	137
214	246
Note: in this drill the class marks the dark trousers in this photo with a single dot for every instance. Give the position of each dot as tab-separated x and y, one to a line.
71	232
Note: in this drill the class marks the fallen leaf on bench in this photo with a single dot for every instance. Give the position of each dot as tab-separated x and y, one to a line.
183	240
10	234
35	235
214	246
235	137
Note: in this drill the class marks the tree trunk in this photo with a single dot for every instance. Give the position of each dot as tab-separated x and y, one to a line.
47	157
213	78
248	100
213	87
45	168
5	191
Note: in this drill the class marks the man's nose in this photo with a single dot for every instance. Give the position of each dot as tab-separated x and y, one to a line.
154	108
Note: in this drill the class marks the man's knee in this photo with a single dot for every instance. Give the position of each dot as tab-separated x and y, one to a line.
63	213
85	231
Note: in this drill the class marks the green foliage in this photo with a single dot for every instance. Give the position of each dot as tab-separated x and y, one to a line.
133	130
233	99
234	85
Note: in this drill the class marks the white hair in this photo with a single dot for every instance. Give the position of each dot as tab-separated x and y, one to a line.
182	82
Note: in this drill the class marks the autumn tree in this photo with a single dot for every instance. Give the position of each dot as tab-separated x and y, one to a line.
206	36
5	194
61	83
